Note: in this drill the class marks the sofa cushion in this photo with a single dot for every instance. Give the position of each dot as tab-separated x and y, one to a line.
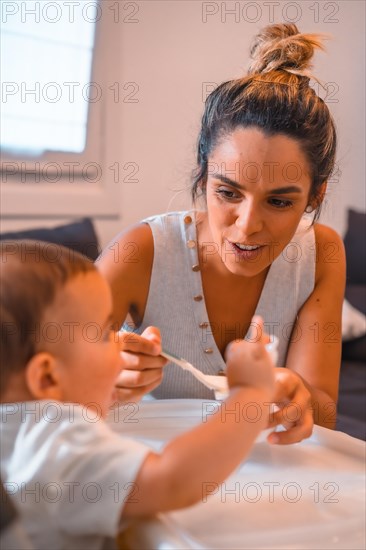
353	322
355	350
351	409
79	236
355	247
356	295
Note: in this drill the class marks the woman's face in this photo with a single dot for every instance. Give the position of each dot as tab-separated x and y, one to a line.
257	190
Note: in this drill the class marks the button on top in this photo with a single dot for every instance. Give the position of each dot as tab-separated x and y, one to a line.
191	244
198	298
208	350
195	267
187	219
203	325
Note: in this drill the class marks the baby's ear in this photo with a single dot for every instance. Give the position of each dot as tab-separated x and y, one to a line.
41	377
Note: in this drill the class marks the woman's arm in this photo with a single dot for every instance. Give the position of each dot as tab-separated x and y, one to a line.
307	389
126	263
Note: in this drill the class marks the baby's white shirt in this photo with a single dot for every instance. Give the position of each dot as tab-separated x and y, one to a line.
68	473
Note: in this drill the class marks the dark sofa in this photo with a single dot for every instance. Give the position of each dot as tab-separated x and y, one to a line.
351	416
79	235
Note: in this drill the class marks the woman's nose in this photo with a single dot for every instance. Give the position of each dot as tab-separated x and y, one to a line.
249	220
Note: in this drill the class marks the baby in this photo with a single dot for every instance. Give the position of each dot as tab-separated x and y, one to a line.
74	481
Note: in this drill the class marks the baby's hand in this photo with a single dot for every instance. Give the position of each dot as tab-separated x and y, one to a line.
249	364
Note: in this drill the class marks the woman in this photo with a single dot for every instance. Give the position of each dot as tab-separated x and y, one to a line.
265	152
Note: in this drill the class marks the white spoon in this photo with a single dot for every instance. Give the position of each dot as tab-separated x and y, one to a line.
217	383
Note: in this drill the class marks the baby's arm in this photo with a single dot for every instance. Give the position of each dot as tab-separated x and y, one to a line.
210	452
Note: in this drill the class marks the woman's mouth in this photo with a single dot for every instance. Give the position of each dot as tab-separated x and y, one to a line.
247	246
246	251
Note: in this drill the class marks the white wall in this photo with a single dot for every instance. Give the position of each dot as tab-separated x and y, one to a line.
174	48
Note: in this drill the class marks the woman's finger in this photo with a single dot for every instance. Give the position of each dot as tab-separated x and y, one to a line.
136	343
139	379
291	413
295	431
294	435
127	395
139	362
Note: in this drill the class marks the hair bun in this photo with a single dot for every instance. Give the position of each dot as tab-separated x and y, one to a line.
283	47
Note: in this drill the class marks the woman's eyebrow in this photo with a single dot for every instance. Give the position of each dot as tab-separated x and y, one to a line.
284	190
227	180
276	191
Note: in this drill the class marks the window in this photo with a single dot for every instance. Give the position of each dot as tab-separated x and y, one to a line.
45	103
55	132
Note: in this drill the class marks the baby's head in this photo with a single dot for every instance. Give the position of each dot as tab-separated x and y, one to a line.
56	337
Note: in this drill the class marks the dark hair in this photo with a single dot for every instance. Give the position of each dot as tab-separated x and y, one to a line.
32	272
275	97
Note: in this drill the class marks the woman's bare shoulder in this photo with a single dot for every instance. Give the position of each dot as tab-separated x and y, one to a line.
323	232
126	262
331	257
133	247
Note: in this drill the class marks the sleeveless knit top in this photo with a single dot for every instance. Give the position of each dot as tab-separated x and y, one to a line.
177	307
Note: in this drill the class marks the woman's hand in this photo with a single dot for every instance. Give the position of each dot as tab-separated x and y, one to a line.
142	364
295	412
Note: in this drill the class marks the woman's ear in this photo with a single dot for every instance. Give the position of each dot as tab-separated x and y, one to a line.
41	377
317	200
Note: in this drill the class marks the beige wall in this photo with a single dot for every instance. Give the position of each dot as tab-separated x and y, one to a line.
172	53
172	49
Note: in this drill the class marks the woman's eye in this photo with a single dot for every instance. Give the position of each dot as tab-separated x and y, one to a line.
226	194
281	203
